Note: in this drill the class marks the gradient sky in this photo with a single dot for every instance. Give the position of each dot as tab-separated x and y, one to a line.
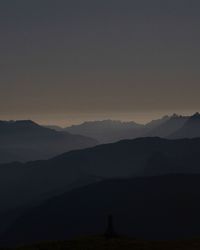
64	61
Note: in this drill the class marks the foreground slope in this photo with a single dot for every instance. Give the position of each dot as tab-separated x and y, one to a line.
122	243
165	207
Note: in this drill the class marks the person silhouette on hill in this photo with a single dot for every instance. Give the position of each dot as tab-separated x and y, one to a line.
110	232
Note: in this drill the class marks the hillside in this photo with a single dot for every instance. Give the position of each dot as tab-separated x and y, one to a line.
25	185
34	181
167	127
155	208
26	140
122	243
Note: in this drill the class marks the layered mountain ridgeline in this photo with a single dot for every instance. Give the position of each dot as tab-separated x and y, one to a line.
26	140
153	208
166	127
140	157
120	243
25	185
108	130
175	126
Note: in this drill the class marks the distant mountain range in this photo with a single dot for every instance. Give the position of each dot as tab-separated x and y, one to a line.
26	140
109	131
155	208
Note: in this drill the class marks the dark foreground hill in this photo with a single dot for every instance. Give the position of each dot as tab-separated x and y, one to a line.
156	208
122	243
26	140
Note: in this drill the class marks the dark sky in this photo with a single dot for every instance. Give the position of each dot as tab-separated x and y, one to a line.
72	60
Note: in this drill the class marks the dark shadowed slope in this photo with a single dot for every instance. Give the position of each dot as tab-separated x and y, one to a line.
38	180
26	140
191	128
120	243
164	207
107	131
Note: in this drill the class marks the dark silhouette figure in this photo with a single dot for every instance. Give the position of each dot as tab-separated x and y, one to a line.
110	232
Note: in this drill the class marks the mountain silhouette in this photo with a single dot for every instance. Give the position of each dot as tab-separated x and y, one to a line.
107	131
33	182
168	127
26	140
190	129
163	207
156	123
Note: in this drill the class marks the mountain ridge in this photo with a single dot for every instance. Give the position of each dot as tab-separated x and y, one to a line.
168	198
190	129
25	140
138	157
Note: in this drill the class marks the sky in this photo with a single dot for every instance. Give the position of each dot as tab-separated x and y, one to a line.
66	61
